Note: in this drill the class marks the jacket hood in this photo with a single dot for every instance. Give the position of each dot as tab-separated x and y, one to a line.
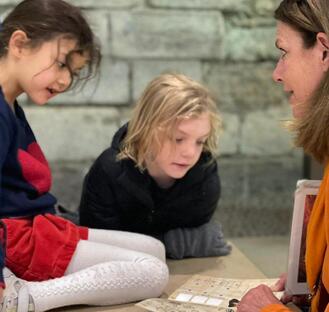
118	137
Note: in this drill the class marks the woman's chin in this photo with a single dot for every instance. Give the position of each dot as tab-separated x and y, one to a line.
298	113
297	110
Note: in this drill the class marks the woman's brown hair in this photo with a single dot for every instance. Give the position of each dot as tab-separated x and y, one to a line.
45	20
309	17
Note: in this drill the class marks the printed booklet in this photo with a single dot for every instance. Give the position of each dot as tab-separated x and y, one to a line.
206	294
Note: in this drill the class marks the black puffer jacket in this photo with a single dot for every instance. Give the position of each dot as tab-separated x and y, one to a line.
116	195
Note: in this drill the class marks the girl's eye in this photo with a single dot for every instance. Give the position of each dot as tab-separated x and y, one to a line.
179	140
61	64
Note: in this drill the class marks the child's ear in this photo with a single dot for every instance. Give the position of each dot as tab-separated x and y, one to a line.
17	43
323	42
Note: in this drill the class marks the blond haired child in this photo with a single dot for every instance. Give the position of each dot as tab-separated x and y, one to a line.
159	177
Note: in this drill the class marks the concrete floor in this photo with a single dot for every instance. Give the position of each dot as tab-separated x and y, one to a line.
269	254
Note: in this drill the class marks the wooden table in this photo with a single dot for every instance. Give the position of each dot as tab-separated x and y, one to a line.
235	265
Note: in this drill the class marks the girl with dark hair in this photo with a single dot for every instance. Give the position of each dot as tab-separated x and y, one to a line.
46	46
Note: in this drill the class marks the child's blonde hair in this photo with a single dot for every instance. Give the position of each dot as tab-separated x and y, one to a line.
167	99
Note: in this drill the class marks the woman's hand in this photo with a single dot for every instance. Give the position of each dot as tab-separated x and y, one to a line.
280	284
298	300
256	299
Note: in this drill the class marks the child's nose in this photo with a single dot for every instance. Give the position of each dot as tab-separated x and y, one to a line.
188	150
64	80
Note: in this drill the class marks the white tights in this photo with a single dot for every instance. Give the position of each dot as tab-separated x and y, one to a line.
112	267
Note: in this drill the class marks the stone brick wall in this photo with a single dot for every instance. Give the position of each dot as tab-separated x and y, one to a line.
229	46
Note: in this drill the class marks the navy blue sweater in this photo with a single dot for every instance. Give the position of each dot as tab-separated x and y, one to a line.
25	176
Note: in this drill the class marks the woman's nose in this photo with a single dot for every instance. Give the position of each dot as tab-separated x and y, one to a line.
276	75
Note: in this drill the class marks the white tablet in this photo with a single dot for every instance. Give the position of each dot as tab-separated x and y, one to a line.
305	195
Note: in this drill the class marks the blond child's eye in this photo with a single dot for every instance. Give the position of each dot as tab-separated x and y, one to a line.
179	140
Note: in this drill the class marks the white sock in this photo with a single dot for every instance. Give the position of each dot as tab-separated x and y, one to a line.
102	274
127	240
107	283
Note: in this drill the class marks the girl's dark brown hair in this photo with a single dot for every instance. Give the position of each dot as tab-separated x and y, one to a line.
309	17
45	20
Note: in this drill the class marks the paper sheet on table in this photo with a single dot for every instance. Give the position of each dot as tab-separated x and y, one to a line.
206	293
164	305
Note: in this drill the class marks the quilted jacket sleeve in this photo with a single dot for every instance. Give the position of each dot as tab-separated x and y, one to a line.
98	208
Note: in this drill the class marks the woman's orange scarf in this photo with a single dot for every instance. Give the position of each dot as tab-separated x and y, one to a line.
317	237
